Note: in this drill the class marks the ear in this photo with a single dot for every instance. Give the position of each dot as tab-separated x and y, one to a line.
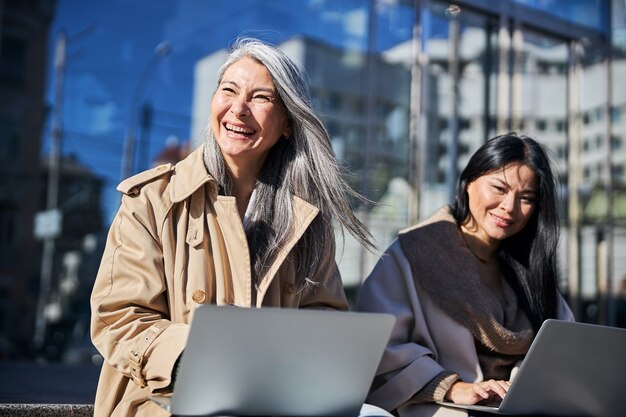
287	130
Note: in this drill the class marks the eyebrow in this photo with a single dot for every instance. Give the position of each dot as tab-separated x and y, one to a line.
256	90
525	190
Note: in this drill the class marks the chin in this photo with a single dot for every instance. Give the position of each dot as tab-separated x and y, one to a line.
499	235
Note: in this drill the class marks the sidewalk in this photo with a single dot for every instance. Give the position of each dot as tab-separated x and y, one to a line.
29	389
51	383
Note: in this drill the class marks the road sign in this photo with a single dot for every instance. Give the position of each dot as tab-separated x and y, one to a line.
48	224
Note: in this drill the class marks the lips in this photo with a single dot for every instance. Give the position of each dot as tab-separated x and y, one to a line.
240	130
502	222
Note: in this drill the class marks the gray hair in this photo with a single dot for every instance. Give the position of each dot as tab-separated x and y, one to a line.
303	165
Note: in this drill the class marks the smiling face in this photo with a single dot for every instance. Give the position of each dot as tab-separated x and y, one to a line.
247	118
501	203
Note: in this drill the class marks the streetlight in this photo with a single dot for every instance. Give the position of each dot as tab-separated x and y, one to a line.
162	50
48	223
52	213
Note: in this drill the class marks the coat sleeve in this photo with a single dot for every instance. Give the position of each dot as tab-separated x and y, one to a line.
408	364
130	323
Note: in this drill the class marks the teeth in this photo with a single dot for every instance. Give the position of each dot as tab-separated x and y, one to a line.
238	129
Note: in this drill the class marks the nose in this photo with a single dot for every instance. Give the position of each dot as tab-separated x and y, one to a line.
508	202
239	106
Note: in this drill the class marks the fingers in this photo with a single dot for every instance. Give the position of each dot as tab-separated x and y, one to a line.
486	389
477	392
481	390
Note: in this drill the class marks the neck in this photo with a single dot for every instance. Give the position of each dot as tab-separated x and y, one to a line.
244	178
244	168
483	251
244	173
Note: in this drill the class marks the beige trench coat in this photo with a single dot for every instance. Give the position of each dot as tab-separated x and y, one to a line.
175	243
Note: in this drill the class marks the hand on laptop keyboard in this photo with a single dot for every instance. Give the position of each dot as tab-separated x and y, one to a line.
477	392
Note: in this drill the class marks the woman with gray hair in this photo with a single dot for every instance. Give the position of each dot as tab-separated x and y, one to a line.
245	220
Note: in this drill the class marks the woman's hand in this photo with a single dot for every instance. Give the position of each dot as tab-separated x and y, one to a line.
472	393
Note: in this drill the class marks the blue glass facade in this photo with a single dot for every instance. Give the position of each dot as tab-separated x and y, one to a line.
408	89
591	13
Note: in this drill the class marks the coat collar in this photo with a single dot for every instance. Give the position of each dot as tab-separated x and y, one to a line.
189	175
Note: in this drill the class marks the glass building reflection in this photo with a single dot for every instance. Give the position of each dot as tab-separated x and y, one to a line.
408	90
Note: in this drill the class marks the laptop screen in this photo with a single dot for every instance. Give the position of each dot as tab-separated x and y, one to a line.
279	362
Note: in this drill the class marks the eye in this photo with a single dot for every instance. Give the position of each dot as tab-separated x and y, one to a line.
262	99
499	189
529	199
229	91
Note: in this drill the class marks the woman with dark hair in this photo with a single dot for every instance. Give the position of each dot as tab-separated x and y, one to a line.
471	285
245	220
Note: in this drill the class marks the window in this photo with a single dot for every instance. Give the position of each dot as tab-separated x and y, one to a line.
8	219
9	139
334	101
599	114
333	128
616	114
541	125
13	61
616	143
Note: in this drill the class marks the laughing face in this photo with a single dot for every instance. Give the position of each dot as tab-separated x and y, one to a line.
247	118
501	203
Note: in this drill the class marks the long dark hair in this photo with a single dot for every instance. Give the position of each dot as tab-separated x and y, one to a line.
530	255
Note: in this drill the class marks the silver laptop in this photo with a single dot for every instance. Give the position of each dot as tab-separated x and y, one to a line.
278	362
572	369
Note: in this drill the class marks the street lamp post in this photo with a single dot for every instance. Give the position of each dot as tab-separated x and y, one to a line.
52	191
162	50
48	223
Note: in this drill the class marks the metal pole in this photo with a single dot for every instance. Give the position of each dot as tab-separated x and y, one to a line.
54	158
517	46
610	223
453	122
574	177
487	72
416	121
143	160
128	155
370	123
503	89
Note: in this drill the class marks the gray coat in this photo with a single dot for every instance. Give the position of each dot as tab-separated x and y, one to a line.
425	340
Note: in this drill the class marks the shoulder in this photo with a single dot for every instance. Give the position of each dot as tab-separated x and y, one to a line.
441	225
434	242
442	215
133	185
146	196
170	182
388	282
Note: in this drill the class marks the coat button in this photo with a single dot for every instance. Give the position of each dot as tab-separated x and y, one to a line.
198	296
289	289
162	167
